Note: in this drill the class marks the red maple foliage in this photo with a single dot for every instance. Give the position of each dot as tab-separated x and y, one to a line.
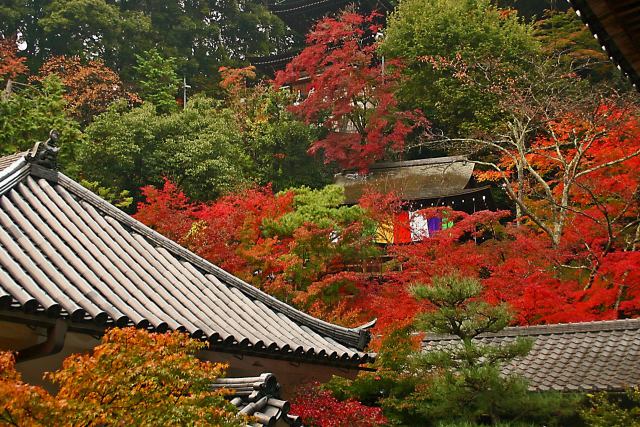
234	80
302	264
517	264
90	86
11	65
168	210
350	92
520	266
319	408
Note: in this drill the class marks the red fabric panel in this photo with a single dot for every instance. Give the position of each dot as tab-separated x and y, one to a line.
402	228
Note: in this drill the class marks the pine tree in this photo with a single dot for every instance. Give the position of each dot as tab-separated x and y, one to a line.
464	382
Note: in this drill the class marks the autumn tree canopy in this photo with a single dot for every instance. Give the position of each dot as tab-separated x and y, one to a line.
130	378
11	65
474	32
350	92
89	87
239	176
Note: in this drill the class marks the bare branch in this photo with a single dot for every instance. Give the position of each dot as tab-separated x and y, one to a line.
607	164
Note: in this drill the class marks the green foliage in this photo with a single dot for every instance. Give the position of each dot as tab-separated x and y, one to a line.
202	34
210	148
11	13
498	424
322	207
277	141
117	198
607	410
472	33
322	231
30	112
392	379
157	79
90	27
198	147
279	150
459	311
564	32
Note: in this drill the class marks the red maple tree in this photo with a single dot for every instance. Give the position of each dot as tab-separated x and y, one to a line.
90	86
350	92
319	408
11	65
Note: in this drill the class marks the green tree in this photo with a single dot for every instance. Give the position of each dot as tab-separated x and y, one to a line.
320	233
277	142
391	385
459	384
29	112
119	199
606	410
210	148
279	151
322	207
157	79
88	27
563	34
426	34
11	13
200	148
201	34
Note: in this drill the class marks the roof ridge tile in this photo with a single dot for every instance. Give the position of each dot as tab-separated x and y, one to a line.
550	329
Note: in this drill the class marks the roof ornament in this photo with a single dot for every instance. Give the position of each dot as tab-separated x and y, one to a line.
368	325
45	153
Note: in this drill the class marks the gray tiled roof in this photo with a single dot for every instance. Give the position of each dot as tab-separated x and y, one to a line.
601	355
259	398
412	179
64	252
7	161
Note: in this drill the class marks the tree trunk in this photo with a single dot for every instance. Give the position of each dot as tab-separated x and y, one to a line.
8	90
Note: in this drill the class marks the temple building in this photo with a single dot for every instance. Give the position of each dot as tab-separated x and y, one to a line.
567	357
424	183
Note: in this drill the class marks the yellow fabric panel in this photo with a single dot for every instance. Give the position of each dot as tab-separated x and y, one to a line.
384	233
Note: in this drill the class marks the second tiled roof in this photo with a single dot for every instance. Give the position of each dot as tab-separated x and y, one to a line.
585	356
